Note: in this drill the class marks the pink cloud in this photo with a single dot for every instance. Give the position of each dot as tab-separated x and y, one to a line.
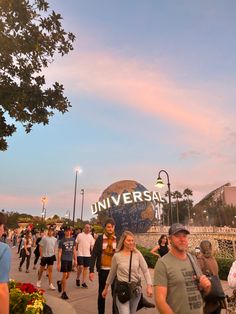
142	87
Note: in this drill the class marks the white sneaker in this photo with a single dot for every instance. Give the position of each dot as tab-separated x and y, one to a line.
52	287
38	284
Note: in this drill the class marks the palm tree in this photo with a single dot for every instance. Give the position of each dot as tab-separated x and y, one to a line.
177	195
187	192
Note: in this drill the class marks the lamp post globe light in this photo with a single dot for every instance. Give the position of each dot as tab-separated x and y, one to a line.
160	184
77	171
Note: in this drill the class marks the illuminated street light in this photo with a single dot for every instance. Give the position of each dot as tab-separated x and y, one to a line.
78	170
160	184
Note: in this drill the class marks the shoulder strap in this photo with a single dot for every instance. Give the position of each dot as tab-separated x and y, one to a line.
130	261
195	266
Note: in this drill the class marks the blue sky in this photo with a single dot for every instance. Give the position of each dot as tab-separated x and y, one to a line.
152	86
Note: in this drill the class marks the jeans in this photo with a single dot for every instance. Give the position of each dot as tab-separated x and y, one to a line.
102	277
27	257
128	307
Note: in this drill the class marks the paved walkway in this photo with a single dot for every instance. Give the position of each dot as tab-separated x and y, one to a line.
83	301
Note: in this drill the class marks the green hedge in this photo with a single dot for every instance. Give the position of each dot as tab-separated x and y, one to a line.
223	263
224	266
149	257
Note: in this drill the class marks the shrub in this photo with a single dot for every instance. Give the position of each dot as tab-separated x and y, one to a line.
224	266
149	257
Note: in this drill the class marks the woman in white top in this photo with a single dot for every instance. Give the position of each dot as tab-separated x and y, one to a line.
26	251
120	268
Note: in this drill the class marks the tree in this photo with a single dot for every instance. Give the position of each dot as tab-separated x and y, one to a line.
187	192
30	36
177	195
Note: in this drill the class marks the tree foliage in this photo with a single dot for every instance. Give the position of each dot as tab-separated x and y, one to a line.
30	36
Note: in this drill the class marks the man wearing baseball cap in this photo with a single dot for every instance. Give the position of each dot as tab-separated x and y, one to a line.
176	288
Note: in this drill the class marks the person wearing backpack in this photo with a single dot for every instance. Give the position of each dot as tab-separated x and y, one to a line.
5	261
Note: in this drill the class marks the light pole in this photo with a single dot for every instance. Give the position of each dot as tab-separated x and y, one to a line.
43	200
82	204
160	184
75	192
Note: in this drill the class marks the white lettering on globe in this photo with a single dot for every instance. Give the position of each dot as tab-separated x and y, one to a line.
126	198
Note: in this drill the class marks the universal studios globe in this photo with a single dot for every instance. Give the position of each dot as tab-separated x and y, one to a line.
136	217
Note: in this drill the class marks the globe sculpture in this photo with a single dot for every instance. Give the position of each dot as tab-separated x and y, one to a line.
135	217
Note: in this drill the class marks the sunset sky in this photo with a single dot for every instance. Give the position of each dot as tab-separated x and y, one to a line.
152	86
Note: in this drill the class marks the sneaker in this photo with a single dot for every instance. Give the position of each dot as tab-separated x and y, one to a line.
64	296
84	285
77	282
27	271
59	286
38	284
20	269
52	287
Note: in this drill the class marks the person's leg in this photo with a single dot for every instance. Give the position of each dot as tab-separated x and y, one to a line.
40	272
123	308
50	273
63	281
23	256
28	260
85	271
36	260
102	277
134	304
79	271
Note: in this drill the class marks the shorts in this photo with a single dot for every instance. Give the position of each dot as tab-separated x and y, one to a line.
66	266
83	260
48	260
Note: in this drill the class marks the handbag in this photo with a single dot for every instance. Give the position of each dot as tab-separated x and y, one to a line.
216	293
123	288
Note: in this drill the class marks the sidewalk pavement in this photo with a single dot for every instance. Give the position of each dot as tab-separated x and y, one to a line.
80	300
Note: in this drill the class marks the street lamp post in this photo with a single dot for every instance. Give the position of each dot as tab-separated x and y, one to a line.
160	184
44	200
82	204
75	192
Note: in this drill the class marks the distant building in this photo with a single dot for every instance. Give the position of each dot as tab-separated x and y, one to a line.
229	195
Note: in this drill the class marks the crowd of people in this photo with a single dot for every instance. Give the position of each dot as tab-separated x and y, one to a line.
178	289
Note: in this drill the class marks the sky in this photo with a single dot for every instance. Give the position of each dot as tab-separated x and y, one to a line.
152	86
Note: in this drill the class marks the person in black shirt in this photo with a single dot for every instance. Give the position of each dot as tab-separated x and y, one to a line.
162	247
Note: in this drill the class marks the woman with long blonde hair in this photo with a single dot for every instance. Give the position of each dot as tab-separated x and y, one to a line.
127	254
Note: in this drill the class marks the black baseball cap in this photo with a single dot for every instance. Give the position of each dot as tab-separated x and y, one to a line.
177	228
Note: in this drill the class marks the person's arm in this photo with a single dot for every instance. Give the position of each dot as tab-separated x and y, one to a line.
111	276
4	298
144	268
154	250
75	256
94	256
204	284
160	299
59	259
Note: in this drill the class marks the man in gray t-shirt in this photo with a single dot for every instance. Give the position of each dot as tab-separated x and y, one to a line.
176	289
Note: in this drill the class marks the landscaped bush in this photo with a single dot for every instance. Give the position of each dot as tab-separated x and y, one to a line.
224	266
149	257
